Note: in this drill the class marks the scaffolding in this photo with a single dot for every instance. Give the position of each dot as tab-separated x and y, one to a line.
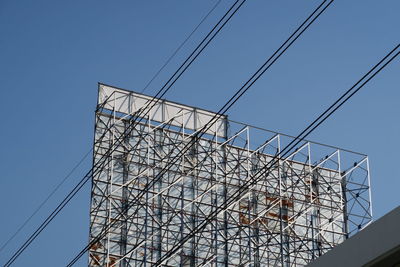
307	202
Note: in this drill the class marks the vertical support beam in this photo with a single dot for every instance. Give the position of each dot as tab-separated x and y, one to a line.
160	184
251	201
110	186
369	190
225	198
125	197
343	184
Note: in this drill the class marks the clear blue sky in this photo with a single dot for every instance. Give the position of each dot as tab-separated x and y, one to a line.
53	53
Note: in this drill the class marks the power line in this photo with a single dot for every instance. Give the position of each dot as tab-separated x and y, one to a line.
180	46
45	200
138	114
265	171
199	49
300	30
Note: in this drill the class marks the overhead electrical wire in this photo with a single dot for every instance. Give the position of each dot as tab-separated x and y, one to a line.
265	171
271	60
138	114
55	189
180	46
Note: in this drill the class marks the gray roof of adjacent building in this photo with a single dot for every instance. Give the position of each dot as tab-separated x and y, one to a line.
376	245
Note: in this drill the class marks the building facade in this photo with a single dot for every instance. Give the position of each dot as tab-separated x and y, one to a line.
171	189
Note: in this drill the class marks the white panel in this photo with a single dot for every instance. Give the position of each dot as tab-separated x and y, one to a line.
128	102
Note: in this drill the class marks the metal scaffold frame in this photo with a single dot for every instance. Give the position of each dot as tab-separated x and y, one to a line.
306	204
